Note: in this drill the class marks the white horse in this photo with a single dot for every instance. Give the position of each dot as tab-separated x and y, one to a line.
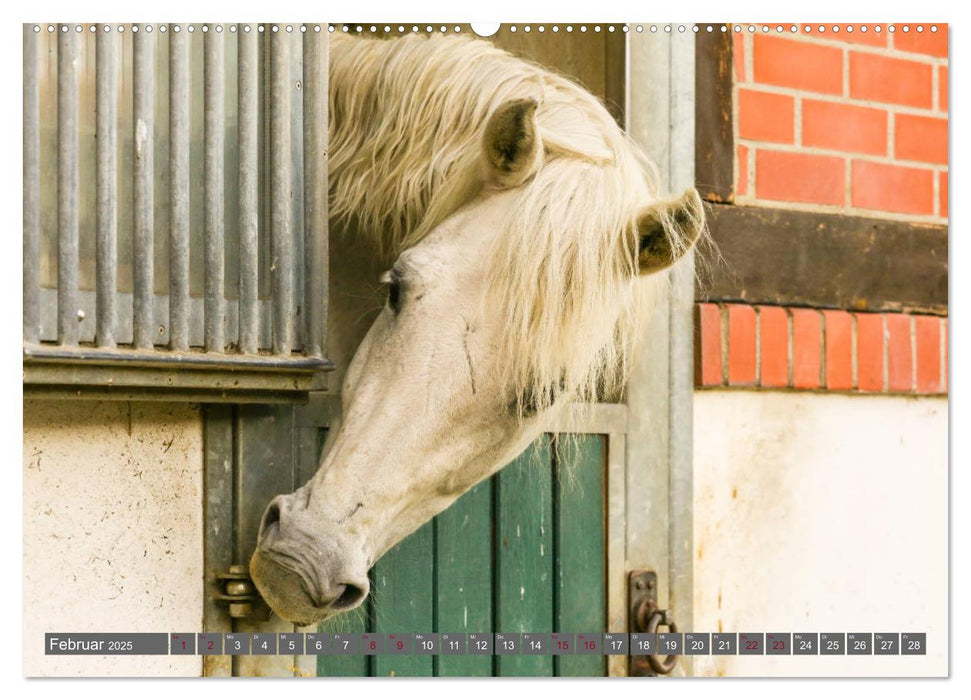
523	234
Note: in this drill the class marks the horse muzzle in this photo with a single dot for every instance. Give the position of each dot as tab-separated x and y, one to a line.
305	577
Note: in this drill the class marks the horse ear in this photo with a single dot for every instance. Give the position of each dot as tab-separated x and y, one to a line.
513	150
666	230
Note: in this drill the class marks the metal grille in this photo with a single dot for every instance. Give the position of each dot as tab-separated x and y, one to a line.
175	212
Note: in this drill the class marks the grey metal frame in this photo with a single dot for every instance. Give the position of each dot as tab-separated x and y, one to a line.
659	494
80	343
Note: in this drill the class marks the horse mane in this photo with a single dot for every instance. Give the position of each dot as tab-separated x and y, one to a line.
406	124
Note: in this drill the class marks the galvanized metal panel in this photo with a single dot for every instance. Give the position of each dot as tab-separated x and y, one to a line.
103	104
31	184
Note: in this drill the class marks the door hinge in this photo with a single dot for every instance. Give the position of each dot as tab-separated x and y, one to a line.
237	590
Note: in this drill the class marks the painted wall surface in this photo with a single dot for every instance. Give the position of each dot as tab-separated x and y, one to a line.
112	530
821	513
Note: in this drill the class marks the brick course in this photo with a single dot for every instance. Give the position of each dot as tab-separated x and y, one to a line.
810	350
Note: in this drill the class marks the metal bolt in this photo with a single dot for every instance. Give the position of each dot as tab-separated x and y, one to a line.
81	314
240	609
239	588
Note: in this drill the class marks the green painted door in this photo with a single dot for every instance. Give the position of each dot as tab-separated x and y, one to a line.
522	552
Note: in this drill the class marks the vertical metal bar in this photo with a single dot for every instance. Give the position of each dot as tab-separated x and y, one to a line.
143	81
31	185
215	118
280	226
217	540
178	188
249	191
107	235
68	60
315	189
660	391
681	386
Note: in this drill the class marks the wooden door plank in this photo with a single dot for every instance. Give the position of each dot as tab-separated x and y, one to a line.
463	577
524	556
403	593
354	622
580	594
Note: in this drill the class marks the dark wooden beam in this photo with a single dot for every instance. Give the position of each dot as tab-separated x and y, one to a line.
798	258
714	136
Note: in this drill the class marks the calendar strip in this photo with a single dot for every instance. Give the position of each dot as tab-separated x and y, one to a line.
490	644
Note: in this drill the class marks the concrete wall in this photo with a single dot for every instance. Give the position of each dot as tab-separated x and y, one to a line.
821	513
112	530
813	512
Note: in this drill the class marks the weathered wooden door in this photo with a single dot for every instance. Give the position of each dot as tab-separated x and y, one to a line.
525	551
521	552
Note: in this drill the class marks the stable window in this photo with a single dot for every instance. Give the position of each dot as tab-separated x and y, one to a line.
175	210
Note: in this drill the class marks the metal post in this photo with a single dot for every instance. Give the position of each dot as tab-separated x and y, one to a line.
31	185
280	192
660	392
144	240
107	182
68	59
178	188
215	123
249	188
315	189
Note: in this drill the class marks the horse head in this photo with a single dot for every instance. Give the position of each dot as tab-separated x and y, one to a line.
513	303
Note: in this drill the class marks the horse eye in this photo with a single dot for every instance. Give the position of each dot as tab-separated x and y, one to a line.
394	294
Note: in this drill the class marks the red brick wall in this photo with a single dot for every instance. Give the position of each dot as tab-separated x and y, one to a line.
843	121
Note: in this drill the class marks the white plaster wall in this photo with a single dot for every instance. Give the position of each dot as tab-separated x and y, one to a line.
112	530
821	513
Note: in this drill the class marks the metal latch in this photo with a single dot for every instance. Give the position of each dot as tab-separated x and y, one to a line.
238	591
647	616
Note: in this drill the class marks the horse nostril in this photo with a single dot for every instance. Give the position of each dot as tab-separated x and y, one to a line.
350	597
271	516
